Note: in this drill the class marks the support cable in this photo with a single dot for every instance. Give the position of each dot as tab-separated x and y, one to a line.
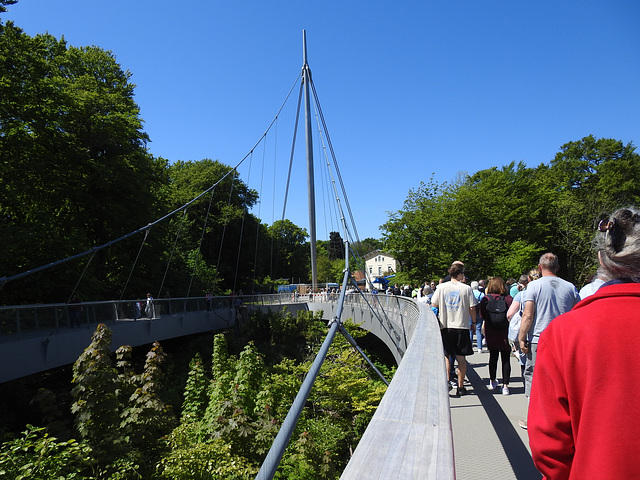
258	223
73	292
348	337
244	215
175	243
354	344
293	145
146	234
333	156
224	228
204	230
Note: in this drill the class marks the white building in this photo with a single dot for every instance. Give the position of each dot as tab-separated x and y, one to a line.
379	263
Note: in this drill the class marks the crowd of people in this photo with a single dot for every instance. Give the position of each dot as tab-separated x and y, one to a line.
574	368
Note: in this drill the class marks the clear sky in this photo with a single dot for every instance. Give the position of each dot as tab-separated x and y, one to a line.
409	89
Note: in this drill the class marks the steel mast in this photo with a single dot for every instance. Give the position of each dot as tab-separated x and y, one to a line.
306	80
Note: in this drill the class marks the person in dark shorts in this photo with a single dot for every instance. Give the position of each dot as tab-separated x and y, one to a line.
456	306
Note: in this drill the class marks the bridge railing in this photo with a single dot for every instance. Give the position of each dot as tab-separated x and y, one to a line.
27	320
410	434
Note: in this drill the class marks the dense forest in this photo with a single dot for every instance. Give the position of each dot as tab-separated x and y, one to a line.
75	174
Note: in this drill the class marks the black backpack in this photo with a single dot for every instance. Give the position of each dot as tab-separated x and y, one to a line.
497	310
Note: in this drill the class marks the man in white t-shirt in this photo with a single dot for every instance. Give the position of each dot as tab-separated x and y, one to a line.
456	306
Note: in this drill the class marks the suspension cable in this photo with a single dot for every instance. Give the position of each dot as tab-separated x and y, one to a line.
226	221
175	243
146	234
293	145
73	292
244	214
333	156
255	255
204	230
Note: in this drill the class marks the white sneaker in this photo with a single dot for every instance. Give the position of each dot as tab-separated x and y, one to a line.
505	390
492	384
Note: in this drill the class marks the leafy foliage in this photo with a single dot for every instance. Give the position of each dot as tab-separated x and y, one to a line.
499	220
38	456
95	389
119	415
192	459
67	117
290	252
195	393
249	397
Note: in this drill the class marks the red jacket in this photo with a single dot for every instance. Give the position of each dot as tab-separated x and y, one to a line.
584	411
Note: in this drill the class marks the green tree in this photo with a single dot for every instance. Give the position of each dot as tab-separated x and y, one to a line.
95	404
38	456
74	170
291	251
119	414
336	246
195	393
367	245
3	8
499	220
587	180
144	416
218	226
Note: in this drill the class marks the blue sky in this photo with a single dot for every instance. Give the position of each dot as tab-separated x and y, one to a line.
409	89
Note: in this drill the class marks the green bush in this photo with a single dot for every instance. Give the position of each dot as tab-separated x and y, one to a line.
38	456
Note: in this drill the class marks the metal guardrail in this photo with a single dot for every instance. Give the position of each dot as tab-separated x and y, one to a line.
17	321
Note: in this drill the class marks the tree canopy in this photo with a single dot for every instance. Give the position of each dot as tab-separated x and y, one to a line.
74	170
499	220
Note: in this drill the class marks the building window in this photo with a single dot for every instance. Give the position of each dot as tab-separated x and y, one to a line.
370	270
379	270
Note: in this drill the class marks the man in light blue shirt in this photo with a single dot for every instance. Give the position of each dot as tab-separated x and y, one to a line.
545	299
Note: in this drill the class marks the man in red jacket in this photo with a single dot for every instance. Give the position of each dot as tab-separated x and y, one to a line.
583	413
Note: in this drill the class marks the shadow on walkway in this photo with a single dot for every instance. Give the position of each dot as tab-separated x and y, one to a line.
517	453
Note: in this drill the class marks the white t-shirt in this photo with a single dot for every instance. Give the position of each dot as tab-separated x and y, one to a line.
454	299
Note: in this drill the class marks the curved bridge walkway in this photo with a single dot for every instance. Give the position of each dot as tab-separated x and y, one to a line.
418	430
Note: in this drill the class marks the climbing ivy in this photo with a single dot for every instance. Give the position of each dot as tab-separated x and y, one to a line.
195	392
117	412
96	405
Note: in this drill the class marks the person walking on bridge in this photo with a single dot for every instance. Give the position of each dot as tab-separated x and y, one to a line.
583	420
456	303
545	299
149	307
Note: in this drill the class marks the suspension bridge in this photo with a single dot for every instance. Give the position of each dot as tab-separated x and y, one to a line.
417	432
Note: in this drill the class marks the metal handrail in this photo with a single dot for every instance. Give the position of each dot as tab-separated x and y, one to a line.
20	320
